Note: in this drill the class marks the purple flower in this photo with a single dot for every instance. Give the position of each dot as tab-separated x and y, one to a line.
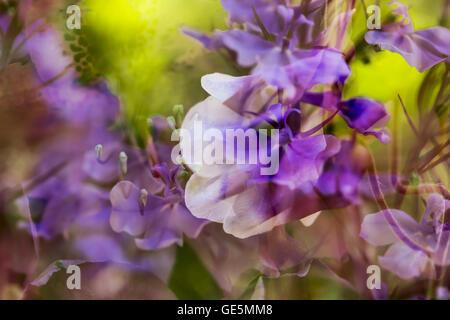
59	201
246	202
156	221
292	69
69	180
362	114
274	15
415	247
109	168
342	175
81	105
278	61
421	49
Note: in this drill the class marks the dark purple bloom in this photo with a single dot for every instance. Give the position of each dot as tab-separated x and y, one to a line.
362	114
293	69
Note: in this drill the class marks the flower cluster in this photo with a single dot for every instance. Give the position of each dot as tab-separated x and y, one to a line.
99	196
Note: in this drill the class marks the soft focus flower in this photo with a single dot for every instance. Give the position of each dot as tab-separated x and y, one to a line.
92	106
238	196
271	174
60	191
415	246
342	175
156	221
278	61
421	49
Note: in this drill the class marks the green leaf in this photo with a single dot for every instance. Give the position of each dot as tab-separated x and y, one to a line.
190	279
69	37
250	287
75	48
414	180
79	56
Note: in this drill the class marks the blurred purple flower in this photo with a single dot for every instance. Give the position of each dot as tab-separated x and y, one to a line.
421	49
156	221
277	60
342	175
274	15
416	247
88	106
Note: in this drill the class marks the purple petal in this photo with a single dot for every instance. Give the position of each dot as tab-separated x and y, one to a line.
126	214
303	160
363	115
422	49
404	262
159	239
281	252
376	229
213	42
248	47
100	248
161	221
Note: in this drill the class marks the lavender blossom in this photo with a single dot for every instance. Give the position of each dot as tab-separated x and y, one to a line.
421	49
276	57
237	196
156	221
421	246
362	114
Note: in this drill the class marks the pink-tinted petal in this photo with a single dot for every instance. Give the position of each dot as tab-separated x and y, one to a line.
282	253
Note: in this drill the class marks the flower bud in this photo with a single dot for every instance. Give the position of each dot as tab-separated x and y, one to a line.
123	159
98	151
178	109
172	122
143	195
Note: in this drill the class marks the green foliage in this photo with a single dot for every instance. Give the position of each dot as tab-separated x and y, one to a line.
190	279
148	63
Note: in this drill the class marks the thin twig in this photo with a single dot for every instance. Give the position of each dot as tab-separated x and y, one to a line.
436	163
411	123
